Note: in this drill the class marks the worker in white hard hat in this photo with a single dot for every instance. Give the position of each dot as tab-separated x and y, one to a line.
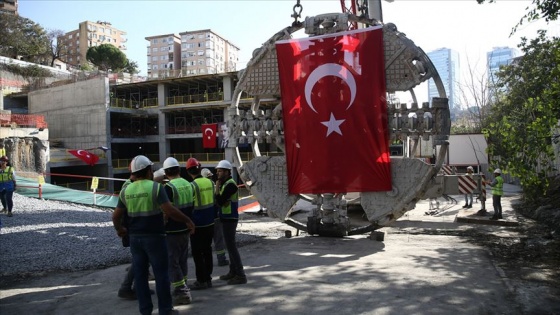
497	191
227	198
219	244
143	201
469	196
180	193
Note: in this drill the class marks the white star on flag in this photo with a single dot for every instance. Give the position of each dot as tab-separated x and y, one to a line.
333	125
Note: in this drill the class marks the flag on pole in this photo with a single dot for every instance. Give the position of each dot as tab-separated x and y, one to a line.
334	109
209	136
85	156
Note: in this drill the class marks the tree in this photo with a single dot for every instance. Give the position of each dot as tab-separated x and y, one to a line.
57	49
21	38
474	95
526	111
546	9
131	67
107	57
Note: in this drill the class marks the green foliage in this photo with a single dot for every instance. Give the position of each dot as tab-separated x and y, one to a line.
542	9
131	67
22	38
26	72
107	56
521	121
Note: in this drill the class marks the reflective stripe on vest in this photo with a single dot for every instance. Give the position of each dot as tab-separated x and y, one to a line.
203	211
229	210
182	192
140	198
7	175
498	189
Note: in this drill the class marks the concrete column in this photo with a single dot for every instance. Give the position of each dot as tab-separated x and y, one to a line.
164	147
228	88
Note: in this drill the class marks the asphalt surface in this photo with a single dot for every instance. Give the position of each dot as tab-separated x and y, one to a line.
407	273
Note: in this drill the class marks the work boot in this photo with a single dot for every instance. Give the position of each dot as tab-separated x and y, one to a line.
10	213
237	280
469	206
182	296
127	294
222	261
465	206
227	276
3	210
199	285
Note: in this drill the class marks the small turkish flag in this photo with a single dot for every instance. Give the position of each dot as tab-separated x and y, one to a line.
85	156
334	109
209	136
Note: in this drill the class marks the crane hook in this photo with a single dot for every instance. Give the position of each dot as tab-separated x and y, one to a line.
297	14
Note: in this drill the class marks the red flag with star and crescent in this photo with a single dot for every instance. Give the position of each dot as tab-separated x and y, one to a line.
85	156
334	109
209	136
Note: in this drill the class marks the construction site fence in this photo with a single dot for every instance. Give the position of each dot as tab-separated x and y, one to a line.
23	120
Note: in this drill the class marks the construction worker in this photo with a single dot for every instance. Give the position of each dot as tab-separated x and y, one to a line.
143	201
469	196
227	197
7	185
180	193
497	191
203	217
219	245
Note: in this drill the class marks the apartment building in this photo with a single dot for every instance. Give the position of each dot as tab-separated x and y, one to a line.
10	6
201	52
164	55
89	34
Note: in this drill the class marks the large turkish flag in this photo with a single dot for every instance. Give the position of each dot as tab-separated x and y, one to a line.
335	115
85	156
209	136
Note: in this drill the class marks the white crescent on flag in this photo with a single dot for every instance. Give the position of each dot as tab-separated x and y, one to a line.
80	152
206	132
326	70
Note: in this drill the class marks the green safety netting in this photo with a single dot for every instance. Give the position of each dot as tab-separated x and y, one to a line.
30	188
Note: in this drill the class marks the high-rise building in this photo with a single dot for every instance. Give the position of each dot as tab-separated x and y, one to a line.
164	54
447	65
499	56
201	52
89	34
10	6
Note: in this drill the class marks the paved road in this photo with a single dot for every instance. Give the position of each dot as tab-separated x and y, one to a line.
407	273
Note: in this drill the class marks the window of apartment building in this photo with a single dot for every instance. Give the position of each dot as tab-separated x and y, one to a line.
109	39
184	55
209	62
201	71
70	59
190	53
95	36
154	41
154	58
201	52
199	44
163	57
190	45
155	67
209	44
191	71
155	49
200	36
77	42
78	58
108	31
70	36
209	35
170	39
102	30
190	63
201	62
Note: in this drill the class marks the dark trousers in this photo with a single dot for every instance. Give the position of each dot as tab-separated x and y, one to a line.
201	243
235	264
6	197
151	250
497	203
178	250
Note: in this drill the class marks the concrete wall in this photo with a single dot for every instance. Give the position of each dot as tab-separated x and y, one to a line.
76	113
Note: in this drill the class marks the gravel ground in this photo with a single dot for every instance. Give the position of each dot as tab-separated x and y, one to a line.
45	236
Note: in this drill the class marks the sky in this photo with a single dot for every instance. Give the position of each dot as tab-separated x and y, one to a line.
463	25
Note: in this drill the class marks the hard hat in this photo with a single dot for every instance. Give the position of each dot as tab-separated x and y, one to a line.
170	162
470	168
497	171
159	175
206	173
224	164
139	163
192	162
